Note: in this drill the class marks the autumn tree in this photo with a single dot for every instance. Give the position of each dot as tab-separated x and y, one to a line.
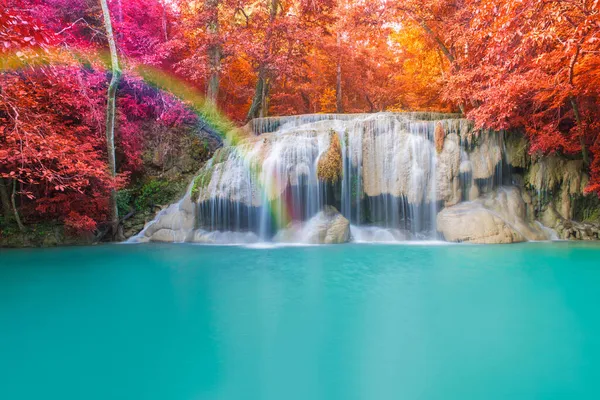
110	115
533	66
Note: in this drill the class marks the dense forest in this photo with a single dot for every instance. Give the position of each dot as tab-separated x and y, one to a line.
108	107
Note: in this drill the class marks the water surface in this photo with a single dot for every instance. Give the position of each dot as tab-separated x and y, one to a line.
330	322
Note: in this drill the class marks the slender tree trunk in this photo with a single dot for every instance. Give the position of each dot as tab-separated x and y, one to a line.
257	102
214	52
444	49
573	100
110	118
584	151
260	101
305	101
339	106
371	105
264	106
14	206
5	199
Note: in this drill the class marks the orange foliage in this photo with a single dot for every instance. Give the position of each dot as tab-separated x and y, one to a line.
529	65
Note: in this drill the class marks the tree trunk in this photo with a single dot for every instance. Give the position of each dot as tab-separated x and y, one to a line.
264	105
371	105
110	118
5	199
454	67
305	101
14	206
260	101
584	152
214	53
10	207
339	106
257	102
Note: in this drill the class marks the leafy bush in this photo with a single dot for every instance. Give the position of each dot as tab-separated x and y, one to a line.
155	192
124	201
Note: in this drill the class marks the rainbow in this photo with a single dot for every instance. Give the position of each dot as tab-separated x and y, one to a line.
160	79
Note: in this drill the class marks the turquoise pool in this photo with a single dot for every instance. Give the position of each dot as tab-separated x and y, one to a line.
332	322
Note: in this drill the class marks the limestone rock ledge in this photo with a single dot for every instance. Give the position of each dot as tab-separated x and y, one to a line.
499	217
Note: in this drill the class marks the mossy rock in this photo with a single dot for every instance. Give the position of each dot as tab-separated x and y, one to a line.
201	181
517	150
330	166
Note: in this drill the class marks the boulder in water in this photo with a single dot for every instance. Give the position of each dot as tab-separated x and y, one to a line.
172	224
472	223
166	235
499	217
327	227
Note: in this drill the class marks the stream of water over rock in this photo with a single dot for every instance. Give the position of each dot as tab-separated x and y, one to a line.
330	178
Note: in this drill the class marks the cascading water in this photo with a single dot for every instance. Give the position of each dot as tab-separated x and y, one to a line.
387	173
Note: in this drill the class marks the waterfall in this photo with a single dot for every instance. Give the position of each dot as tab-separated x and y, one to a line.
383	172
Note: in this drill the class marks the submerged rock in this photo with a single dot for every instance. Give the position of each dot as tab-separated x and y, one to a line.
327	227
499	217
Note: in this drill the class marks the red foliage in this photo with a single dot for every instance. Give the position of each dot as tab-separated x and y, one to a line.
529	65
52	141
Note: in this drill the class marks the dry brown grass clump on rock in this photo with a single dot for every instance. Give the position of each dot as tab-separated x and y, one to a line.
439	137
330	164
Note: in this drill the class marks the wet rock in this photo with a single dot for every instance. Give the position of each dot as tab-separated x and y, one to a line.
565	178
485	155
517	150
499	217
327	227
216	237
568	229
377	234
473	192
472	223
172	224
168	236
448	167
